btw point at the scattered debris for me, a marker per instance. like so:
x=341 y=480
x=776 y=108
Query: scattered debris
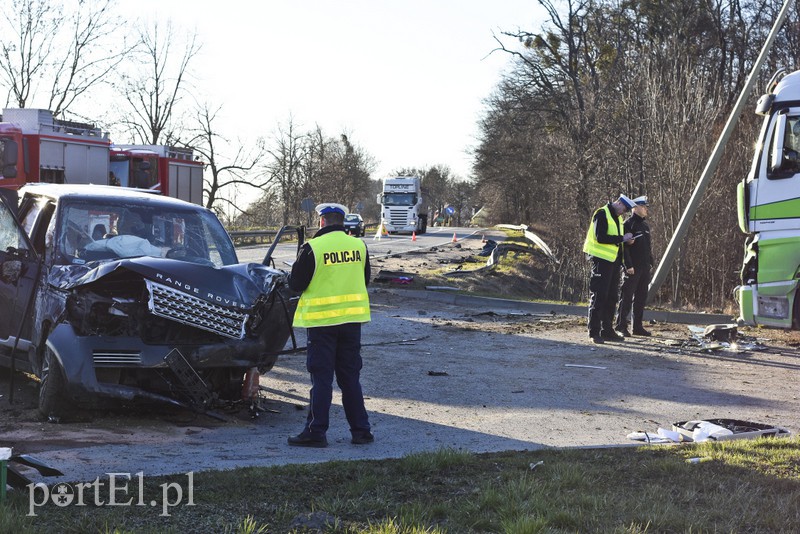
x=409 y=341
x=721 y=332
x=437 y=373
x=488 y=247
x=725 y=429
x=533 y=466
x=648 y=437
x=390 y=276
x=17 y=479
x=441 y=288
x=713 y=338
x=697 y=460
x=709 y=430
x=533 y=238
x=583 y=366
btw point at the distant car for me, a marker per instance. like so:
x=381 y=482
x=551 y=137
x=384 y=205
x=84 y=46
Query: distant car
x=354 y=224
x=111 y=292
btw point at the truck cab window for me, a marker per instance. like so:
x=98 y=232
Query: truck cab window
x=789 y=158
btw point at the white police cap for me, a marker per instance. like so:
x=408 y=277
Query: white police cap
x=628 y=203
x=330 y=207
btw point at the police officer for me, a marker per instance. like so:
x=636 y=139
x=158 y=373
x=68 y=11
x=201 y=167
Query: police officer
x=332 y=271
x=638 y=261
x=603 y=245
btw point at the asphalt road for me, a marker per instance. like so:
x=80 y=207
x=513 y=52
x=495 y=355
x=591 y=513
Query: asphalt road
x=382 y=246
x=443 y=371
x=446 y=376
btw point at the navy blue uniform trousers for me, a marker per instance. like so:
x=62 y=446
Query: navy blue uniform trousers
x=335 y=350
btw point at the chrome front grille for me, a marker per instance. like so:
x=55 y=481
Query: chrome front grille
x=399 y=217
x=107 y=358
x=186 y=309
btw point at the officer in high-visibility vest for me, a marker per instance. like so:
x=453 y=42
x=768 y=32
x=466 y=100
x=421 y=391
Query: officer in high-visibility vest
x=604 y=246
x=332 y=271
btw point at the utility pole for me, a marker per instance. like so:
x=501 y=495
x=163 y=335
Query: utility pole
x=713 y=161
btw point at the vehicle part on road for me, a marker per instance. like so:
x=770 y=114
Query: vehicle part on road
x=726 y=429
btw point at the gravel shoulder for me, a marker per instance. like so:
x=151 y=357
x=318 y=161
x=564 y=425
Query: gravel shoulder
x=440 y=376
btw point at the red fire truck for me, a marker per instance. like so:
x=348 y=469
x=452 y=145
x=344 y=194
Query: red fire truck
x=171 y=170
x=35 y=147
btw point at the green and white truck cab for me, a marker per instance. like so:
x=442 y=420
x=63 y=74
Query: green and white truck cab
x=769 y=211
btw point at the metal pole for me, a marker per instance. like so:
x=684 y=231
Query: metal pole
x=713 y=161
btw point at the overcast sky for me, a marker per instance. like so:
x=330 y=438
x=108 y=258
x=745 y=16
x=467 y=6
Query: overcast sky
x=405 y=79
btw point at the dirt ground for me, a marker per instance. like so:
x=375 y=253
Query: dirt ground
x=435 y=376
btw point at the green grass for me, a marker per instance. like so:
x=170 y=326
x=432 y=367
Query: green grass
x=745 y=486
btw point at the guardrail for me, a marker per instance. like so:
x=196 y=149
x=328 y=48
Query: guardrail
x=260 y=237
x=255 y=237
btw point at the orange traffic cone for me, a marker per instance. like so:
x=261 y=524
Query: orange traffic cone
x=455 y=239
x=413 y=236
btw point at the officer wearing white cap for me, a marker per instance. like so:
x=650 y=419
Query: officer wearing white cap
x=603 y=245
x=332 y=271
x=638 y=261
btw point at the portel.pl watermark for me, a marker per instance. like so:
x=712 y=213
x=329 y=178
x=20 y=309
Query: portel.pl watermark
x=121 y=489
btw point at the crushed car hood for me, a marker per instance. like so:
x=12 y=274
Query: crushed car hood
x=236 y=286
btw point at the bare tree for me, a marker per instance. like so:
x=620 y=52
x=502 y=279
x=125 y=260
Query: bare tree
x=287 y=154
x=154 y=92
x=68 y=50
x=224 y=173
x=93 y=52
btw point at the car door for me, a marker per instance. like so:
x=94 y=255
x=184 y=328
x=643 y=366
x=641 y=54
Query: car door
x=19 y=272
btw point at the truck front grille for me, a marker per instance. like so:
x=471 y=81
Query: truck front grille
x=184 y=308
x=399 y=217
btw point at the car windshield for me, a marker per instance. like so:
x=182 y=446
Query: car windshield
x=125 y=229
x=352 y=218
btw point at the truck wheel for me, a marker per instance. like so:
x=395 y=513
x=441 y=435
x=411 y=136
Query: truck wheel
x=52 y=399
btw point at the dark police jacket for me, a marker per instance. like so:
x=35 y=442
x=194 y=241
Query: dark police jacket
x=638 y=255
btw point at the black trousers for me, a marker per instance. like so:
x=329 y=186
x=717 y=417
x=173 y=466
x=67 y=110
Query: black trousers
x=335 y=351
x=634 y=293
x=603 y=294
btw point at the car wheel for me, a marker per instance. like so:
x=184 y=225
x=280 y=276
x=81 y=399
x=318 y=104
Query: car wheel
x=52 y=398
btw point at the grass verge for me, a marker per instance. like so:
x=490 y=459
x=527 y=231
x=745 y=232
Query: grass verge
x=749 y=486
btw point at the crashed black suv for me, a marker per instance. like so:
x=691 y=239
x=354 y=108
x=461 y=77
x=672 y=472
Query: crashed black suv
x=108 y=292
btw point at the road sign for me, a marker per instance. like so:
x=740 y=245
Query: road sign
x=307 y=205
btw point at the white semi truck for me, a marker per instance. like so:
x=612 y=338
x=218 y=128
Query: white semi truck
x=401 y=205
x=769 y=211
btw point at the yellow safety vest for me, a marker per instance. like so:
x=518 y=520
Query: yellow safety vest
x=337 y=293
x=602 y=250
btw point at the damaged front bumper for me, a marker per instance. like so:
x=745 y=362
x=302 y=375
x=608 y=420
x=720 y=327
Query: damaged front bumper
x=767 y=304
x=128 y=369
